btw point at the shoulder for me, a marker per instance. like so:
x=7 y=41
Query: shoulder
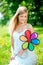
x=30 y=27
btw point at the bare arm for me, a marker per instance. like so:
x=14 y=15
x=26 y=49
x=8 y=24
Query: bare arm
x=12 y=48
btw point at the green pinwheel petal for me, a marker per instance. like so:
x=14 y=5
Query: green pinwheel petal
x=31 y=47
x=25 y=45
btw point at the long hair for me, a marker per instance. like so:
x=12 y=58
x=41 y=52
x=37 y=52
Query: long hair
x=14 y=20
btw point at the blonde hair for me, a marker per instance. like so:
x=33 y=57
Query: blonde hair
x=14 y=21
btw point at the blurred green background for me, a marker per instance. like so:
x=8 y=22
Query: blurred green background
x=35 y=17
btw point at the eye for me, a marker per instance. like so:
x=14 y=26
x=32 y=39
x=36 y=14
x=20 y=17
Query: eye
x=21 y=16
x=25 y=16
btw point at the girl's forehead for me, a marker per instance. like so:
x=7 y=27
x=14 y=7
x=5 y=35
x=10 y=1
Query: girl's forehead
x=24 y=13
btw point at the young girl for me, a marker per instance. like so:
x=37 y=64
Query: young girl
x=17 y=27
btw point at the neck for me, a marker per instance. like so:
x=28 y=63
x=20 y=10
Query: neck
x=22 y=23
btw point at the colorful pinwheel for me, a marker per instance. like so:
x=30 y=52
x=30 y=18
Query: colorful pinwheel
x=30 y=40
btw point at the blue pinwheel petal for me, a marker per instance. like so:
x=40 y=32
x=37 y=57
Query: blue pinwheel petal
x=35 y=41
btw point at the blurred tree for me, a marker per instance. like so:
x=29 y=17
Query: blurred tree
x=35 y=9
x=8 y=8
x=39 y=11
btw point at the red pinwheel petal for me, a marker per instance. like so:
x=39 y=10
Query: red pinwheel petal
x=28 y=35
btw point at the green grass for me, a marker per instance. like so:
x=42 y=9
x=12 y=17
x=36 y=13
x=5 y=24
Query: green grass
x=39 y=48
x=5 y=44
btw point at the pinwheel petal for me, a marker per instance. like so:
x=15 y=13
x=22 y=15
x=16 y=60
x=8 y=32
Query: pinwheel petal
x=25 y=45
x=23 y=38
x=31 y=47
x=34 y=35
x=28 y=34
x=35 y=41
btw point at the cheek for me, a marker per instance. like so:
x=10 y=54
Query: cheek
x=26 y=18
x=20 y=18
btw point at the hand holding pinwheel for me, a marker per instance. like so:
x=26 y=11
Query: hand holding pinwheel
x=29 y=40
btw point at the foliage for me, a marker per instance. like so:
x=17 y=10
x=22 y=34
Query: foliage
x=35 y=8
x=4 y=45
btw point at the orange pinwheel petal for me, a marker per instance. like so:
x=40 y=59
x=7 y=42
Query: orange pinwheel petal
x=23 y=38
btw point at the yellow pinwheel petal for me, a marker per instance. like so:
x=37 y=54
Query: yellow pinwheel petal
x=25 y=45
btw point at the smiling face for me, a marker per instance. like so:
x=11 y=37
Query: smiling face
x=22 y=17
